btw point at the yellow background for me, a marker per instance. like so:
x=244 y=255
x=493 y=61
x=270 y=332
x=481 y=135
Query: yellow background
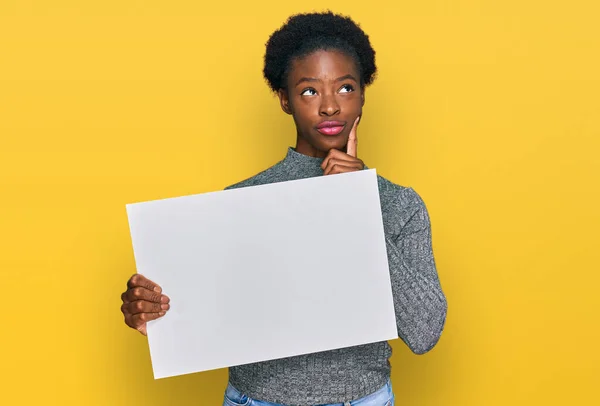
x=489 y=109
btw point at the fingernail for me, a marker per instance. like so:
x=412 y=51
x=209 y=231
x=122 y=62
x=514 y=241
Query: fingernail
x=164 y=306
x=161 y=313
x=157 y=289
x=164 y=299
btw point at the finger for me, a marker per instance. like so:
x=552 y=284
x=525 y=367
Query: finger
x=138 y=321
x=142 y=318
x=142 y=306
x=136 y=324
x=336 y=154
x=330 y=154
x=129 y=321
x=144 y=294
x=341 y=168
x=355 y=165
x=352 y=147
x=140 y=280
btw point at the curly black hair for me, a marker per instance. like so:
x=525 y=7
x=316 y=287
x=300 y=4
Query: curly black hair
x=303 y=34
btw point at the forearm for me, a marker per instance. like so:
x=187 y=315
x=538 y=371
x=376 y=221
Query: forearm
x=419 y=302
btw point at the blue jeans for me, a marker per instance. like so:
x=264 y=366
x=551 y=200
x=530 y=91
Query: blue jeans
x=382 y=397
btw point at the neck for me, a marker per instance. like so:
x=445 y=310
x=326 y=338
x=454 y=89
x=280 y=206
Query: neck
x=304 y=148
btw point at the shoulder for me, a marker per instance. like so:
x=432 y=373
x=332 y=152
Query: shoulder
x=399 y=195
x=400 y=205
x=269 y=175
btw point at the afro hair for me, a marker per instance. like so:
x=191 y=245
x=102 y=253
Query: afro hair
x=302 y=34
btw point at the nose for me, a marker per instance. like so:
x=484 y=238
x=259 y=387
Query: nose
x=329 y=105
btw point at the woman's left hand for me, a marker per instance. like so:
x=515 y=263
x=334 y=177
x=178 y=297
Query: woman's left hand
x=339 y=162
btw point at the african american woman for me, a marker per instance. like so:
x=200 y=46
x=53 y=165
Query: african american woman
x=319 y=64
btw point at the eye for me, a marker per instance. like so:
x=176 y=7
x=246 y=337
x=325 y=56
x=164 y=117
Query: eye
x=308 y=92
x=346 y=89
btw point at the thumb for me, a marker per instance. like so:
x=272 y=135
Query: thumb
x=351 y=148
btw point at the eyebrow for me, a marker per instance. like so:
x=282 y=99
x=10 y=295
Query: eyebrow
x=305 y=79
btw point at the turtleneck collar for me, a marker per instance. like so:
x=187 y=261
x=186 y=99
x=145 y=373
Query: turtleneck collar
x=296 y=157
x=300 y=166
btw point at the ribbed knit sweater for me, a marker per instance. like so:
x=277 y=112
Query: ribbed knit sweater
x=347 y=374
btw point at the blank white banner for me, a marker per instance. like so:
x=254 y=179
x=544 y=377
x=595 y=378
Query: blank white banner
x=265 y=272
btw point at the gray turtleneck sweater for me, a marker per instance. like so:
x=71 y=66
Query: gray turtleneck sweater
x=347 y=374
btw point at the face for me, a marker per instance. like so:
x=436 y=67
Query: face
x=324 y=96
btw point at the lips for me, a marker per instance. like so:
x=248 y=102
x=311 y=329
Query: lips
x=331 y=127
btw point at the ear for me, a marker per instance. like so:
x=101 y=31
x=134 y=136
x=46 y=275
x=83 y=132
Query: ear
x=284 y=101
x=362 y=97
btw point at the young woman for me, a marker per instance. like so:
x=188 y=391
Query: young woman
x=319 y=65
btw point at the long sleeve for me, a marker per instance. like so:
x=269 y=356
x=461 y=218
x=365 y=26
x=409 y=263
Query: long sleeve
x=419 y=301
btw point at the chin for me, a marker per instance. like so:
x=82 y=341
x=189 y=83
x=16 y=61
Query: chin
x=325 y=143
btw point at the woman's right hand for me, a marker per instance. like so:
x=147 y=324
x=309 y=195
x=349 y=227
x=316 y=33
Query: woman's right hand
x=143 y=301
